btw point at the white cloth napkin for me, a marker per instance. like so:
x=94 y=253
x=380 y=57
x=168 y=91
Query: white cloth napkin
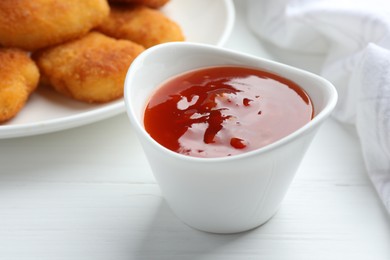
x=355 y=35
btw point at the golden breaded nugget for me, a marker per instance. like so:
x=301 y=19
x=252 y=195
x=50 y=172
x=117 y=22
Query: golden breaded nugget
x=19 y=77
x=149 y=3
x=142 y=25
x=90 y=69
x=32 y=25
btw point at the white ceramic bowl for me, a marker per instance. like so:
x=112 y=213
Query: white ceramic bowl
x=226 y=194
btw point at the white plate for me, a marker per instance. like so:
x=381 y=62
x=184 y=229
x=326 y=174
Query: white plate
x=203 y=21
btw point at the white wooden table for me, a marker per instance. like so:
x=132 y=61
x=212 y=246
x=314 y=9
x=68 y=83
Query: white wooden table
x=88 y=193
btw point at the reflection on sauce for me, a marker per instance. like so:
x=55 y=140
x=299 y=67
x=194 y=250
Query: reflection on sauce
x=224 y=111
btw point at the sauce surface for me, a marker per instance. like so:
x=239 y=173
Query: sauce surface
x=224 y=111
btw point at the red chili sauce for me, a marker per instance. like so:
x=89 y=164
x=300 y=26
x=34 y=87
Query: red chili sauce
x=224 y=111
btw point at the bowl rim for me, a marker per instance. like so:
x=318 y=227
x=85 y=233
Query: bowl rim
x=330 y=90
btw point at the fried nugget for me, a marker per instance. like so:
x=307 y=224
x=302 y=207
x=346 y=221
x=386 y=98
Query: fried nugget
x=150 y=3
x=142 y=25
x=90 y=69
x=32 y=25
x=19 y=78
